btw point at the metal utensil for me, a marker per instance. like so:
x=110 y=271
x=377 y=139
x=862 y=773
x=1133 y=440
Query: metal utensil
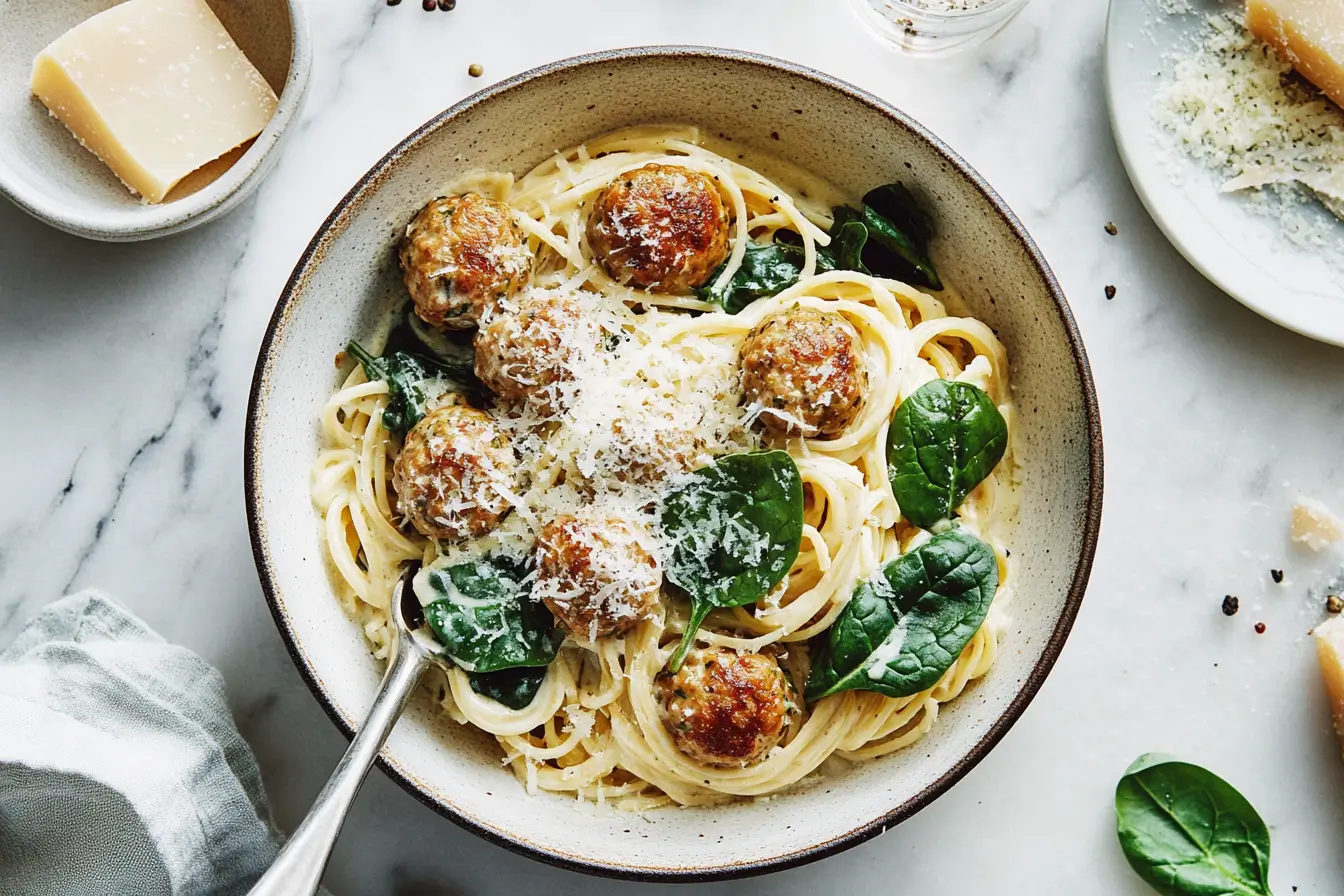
x=298 y=869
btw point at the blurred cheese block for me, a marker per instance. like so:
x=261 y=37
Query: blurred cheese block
x=154 y=88
x=1330 y=651
x=1309 y=34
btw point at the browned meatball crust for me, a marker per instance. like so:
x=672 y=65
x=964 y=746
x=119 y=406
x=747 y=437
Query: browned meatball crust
x=460 y=256
x=596 y=574
x=529 y=354
x=805 y=369
x=661 y=227
x=452 y=472
x=726 y=709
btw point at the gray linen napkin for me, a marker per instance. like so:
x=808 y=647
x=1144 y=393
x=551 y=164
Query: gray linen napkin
x=121 y=770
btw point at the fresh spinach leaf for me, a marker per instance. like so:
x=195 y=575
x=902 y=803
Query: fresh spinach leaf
x=414 y=384
x=515 y=688
x=735 y=527
x=898 y=224
x=848 y=238
x=904 y=628
x=1187 y=832
x=486 y=618
x=943 y=441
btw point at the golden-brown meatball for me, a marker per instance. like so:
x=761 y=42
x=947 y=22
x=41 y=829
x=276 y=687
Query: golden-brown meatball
x=724 y=708
x=597 y=574
x=662 y=449
x=452 y=474
x=803 y=367
x=661 y=227
x=460 y=256
x=531 y=353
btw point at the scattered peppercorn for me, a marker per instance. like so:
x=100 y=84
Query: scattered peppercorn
x=1334 y=604
x=1259 y=628
x=393 y=2
x=429 y=5
x=1110 y=292
x=1231 y=605
x=1111 y=228
x=1277 y=576
x=447 y=5
x=475 y=70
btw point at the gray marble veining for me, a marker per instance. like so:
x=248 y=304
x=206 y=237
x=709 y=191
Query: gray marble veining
x=126 y=369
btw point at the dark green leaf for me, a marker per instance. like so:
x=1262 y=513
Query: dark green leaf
x=486 y=618
x=944 y=440
x=1187 y=832
x=515 y=688
x=848 y=239
x=765 y=271
x=898 y=206
x=904 y=628
x=736 y=526
x=414 y=385
x=890 y=237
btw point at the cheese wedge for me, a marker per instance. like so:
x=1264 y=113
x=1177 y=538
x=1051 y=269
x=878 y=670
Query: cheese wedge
x=154 y=88
x=1309 y=34
x=1330 y=651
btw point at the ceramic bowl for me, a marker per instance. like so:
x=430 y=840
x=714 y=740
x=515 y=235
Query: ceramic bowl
x=347 y=276
x=45 y=171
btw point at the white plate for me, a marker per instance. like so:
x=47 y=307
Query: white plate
x=1239 y=250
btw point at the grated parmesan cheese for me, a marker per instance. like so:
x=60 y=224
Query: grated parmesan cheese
x=1239 y=109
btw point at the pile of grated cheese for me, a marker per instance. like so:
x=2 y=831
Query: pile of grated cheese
x=1235 y=106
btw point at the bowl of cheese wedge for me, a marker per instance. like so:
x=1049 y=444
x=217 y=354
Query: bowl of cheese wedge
x=131 y=120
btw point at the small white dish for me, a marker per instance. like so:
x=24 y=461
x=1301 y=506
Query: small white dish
x=45 y=171
x=1240 y=251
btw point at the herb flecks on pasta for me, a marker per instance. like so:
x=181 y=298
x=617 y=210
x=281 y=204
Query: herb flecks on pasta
x=705 y=490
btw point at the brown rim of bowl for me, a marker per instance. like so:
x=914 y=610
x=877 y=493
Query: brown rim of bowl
x=863 y=832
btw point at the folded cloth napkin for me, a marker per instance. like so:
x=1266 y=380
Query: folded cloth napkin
x=121 y=770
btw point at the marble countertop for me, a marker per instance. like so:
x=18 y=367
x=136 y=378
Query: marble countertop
x=127 y=369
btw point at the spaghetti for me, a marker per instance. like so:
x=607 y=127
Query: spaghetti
x=670 y=378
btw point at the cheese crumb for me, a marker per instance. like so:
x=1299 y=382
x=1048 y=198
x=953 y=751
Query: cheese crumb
x=1330 y=652
x=1315 y=525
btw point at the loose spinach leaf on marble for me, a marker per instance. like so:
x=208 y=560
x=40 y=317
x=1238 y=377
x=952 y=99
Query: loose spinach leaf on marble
x=486 y=618
x=943 y=441
x=414 y=384
x=1187 y=832
x=515 y=688
x=735 y=527
x=904 y=627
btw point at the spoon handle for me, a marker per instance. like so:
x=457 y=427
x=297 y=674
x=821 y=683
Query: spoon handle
x=297 y=871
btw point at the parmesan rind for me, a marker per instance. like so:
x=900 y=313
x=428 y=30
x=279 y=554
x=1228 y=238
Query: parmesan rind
x=1330 y=651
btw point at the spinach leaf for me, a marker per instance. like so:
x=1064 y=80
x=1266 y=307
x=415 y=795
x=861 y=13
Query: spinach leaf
x=1187 y=832
x=944 y=440
x=766 y=270
x=735 y=527
x=848 y=238
x=898 y=224
x=902 y=629
x=414 y=384
x=515 y=688
x=486 y=618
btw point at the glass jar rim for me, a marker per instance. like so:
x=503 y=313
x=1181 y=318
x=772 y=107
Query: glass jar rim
x=949 y=14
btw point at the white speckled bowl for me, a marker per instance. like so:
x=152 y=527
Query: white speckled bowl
x=45 y=171
x=855 y=140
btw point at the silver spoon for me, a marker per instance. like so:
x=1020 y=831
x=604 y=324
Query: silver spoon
x=297 y=871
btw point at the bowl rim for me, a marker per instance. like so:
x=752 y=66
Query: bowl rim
x=223 y=194
x=863 y=832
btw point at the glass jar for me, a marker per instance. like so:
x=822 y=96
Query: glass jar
x=929 y=27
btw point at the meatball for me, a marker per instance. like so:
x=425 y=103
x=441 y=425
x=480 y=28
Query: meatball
x=597 y=574
x=661 y=227
x=529 y=354
x=460 y=256
x=665 y=449
x=805 y=370
x=724 y=708
x=452 y=474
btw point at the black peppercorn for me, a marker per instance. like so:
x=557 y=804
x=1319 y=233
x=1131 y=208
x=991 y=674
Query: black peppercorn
x=1111 y=228
x=1231 y=605
x=447 y=5
x=1110 y=292
x=1277 y=576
